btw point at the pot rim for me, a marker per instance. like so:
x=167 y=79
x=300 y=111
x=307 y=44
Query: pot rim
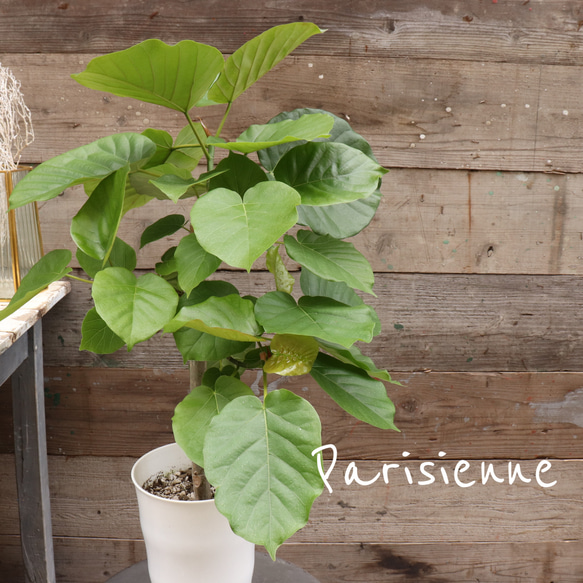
x=146 y=493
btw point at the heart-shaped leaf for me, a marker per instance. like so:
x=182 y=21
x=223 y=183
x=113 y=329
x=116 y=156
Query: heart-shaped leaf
x=174 y=76
x=95 y=160
x=134 y=308
x=331 y=259
x=193 y=263
x=291 y=355
x=240 y=230
x=230 y=317
x=94 y=227
x=326 y=173
x=52 y=267
x=195 y=412
x=258 y=56
x=323 y=318
x=97 y=337
x=163 y=141
x=355 y=391
x=266 y=478
x=258 y=137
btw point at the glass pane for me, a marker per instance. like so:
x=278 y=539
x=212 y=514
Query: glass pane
x=28 y=230
x=6 y=271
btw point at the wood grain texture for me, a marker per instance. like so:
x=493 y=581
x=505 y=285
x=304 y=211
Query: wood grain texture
x=105 y=506
x=344 y=563
x=513 y=30
x=121 y=412
x=435 y=114
x=429 y=221
x=445 y=323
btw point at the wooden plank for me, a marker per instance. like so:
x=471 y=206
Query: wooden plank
x=513 y=30
x=30 y=447
x=443 y=322
x=470 y=115
x=429 y=221
x=96 y=560
x=93 y=497
x=113 y=412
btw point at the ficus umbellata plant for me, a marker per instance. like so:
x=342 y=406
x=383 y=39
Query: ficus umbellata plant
x=294 y=188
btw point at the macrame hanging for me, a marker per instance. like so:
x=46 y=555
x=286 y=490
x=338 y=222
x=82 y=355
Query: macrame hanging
x=15 y=121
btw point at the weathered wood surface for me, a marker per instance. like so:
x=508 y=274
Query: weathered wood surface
x=440 y=322
x=421 y=114
x=105 y=507
x=345 y=563
x=429 y=221
x=121 y=412
x=514 y=30
x=18 y=323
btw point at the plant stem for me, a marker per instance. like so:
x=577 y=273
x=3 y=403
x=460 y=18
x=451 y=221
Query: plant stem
x=198 y=137
x=201 y=486
x=79 y=278
x=264 y=385
x=224 y=119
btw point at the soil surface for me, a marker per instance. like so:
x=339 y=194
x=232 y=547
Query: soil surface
x=174 y=485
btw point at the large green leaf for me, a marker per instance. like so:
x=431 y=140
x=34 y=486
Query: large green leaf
x=312 y=285
x=340 y=220
x=258 y=137
x=354 y=356
x=163 y=227
x=240 y=230
x=193 y=263
x=341 y=132
x=355 y=391
x=230 y=317
x=331 y=259
x=196 y=345
x=266 y=478
x=291 y=355
x=97 y=336
x=258 y=56
x=173 y=76
x=94 y=227
x=195 y=412
x=95 y=160
x=122 y=255
x=323 y=318
x=326 y=173
x=134 y=308
x=240 y=174
x=51 y=267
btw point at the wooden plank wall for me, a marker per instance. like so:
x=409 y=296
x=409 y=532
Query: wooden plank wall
x=478 y=249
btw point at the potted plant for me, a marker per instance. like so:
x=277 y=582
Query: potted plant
x=292 y=189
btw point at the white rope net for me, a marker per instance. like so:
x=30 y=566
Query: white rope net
x=15 y=121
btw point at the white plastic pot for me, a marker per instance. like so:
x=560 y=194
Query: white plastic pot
x=187 y=540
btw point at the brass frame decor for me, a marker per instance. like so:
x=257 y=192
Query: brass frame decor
x=20 y=236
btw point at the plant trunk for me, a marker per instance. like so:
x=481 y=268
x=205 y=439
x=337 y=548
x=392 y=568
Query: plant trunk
x=202 y=488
